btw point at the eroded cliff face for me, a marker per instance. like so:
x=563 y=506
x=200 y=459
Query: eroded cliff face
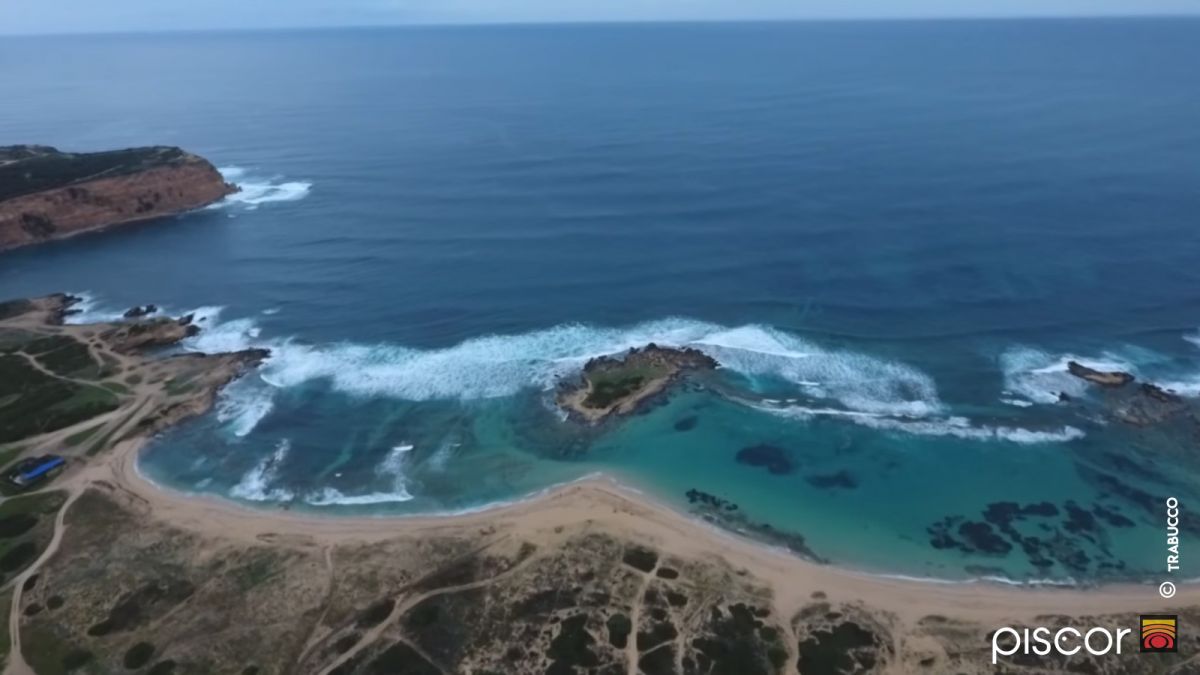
x=46 y=194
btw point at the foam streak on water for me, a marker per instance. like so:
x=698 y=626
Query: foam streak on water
x=255 y=190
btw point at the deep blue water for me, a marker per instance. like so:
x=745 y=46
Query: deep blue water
x=893 y=235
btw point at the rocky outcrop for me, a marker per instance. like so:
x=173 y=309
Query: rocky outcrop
x=1140 y=406
x=618 y=385
x=46 y=194
x=1100 y=377
x=134 y=336
x=140 y=311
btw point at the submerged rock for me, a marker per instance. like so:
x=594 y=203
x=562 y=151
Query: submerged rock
x=773 y=458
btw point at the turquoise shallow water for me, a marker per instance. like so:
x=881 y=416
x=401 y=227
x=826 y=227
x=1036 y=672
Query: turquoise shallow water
x=893 y=236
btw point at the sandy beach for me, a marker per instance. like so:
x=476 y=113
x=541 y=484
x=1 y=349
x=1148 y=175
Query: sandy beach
x=601 y=503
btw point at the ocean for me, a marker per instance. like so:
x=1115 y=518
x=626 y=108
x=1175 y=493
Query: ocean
x=892 y=235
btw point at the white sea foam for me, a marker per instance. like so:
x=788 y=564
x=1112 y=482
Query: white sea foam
x=89 y=310
x=257 y=190
x=495 y=366
x=390 y=469
x=438 y=460
x=1016 y=402
x=1189 y=388
x=243 y=404
x=958 y=427
x=256 y=486
x=1040 y=376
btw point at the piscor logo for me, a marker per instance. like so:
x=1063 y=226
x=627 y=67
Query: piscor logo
x=1159 y=633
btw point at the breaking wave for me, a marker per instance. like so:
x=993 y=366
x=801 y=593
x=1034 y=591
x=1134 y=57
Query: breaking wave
x=89 y=310
x=957 y=427
x=255 y=486
x=501 y=365
x=259 y=483
x=257 y=190
x=243 y=404
x=390 y=469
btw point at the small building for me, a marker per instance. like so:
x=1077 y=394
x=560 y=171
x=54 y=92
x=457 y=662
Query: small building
x=30 y=472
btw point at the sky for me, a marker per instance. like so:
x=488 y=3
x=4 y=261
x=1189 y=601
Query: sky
x=75 y=16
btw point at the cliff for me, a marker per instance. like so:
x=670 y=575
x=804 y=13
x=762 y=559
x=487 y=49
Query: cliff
x=46 y=194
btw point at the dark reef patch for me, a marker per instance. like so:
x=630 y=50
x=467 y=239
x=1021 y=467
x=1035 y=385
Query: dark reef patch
x=700 y=498
x=687 y=423
x=1070 y=535
x=841 y=479
x=727 y=514
x=771 y=457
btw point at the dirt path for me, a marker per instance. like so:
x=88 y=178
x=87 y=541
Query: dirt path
x=16 y=660
x=402 y=608
x=635 y=616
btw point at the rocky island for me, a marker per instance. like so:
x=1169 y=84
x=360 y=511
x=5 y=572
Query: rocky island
x=47 y=194
x=617 y=385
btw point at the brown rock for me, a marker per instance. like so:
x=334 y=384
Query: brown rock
x=1102 y=378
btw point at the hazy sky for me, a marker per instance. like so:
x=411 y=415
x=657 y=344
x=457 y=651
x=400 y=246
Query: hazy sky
x=55 y=16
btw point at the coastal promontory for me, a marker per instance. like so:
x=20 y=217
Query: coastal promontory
x=47 y=194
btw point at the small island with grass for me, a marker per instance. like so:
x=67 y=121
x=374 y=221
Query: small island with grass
x=614 y=386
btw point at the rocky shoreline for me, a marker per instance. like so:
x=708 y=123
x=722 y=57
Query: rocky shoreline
x=102 y=376
x=47 y=194
x=1141 y=406
x=618 y=385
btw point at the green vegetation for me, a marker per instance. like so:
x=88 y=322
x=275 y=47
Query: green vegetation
x=179 y=385
x=116 y=388
x=63 y=355
x=260 y=569
x=10 y=453
x=44 y=403
x=5 y=646
x=46 y=169
x=81 y=436
x=610 y=386
x=14 y=308
x=26 y=525
x=138 y=655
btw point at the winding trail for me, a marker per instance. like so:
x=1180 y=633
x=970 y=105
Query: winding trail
x=16 y=660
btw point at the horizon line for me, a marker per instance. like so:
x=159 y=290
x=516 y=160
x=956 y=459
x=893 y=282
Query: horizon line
x=549 y=23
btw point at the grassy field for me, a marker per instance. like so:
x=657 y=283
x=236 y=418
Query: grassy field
x=26 y=525
x=611 y=386
x=33 y=402
x=46 y=171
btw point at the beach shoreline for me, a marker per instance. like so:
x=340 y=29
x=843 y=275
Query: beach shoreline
x=601 y=502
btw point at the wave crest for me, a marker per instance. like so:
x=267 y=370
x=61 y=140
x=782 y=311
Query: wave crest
x=501 y=365
x=255 y=190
